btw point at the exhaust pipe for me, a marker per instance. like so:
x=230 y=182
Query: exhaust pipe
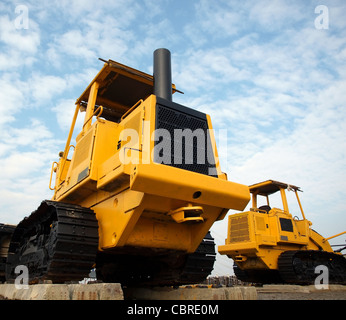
x=162 y=74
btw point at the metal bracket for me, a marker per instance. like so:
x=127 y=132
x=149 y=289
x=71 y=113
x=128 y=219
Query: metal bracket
x=187 y=214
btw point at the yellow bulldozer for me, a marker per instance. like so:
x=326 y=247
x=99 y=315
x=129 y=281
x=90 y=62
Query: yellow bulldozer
x=270 y=245
x=137 y=193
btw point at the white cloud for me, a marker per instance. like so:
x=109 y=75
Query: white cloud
x=64 y=113
x=73 y=43
x=12 y=59
x=276 y=14
x=26 y=155
x=30 y=135
x=311 y=156
x=206 y=70
x=337 y=15
x=12 y=98
x=19 y=47
x=123 y=10
x=218 y=18
x=100 y=42
x=45 y=87
x=24 y=40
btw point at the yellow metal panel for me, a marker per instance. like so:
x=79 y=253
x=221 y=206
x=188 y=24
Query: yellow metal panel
x=117 y=217
x=238 y=248
x=105 y=144
x=170 y=182
x=260 y=223
x=266 y=240
x=302 y=227
x=158 y=234
x=79 y=168
x=318 y=241
x=82 y=155
x=114 y=179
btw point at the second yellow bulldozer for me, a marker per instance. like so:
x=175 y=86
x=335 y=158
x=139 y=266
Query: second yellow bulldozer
x=271 y=245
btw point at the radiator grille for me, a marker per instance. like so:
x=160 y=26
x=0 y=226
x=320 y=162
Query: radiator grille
x=184 y=143
x=83 y=149
x=239 y=229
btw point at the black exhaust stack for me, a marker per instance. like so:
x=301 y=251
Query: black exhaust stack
x=162 y=74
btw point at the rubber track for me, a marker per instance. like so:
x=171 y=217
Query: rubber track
x=199 y=264
x=257 y=275
x=6 y=232
x=172 y=269
x=59 y=242
x=298 y=267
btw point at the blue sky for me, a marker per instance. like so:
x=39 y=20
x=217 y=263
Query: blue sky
x=261 y=69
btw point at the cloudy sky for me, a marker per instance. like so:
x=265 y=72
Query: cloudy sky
x=272 y=75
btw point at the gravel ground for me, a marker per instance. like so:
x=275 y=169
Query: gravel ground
x=296 y=292
x=323 y=295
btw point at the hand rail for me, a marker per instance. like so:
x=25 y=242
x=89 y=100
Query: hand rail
x=65 y=159
x=131 y=109
x=51 y=174
x=95 y=112
x=337 y=235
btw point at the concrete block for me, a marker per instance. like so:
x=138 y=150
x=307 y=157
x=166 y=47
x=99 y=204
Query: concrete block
x=97 y=291
x=168 y=293
x=202 y=294
x=49 y=292
x=233 y=293
x=282 y=288
x=111 y=291
x=84 y=292
x=249 y=293
x=21 y=293
x=331 y=287
x=10 y=291
x=102 y=291
x=7 y=291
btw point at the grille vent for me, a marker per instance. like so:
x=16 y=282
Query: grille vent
x=186 y=143
x=239 y=229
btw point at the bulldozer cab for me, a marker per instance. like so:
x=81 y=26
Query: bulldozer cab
x=269 y=188
x=119 y=88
